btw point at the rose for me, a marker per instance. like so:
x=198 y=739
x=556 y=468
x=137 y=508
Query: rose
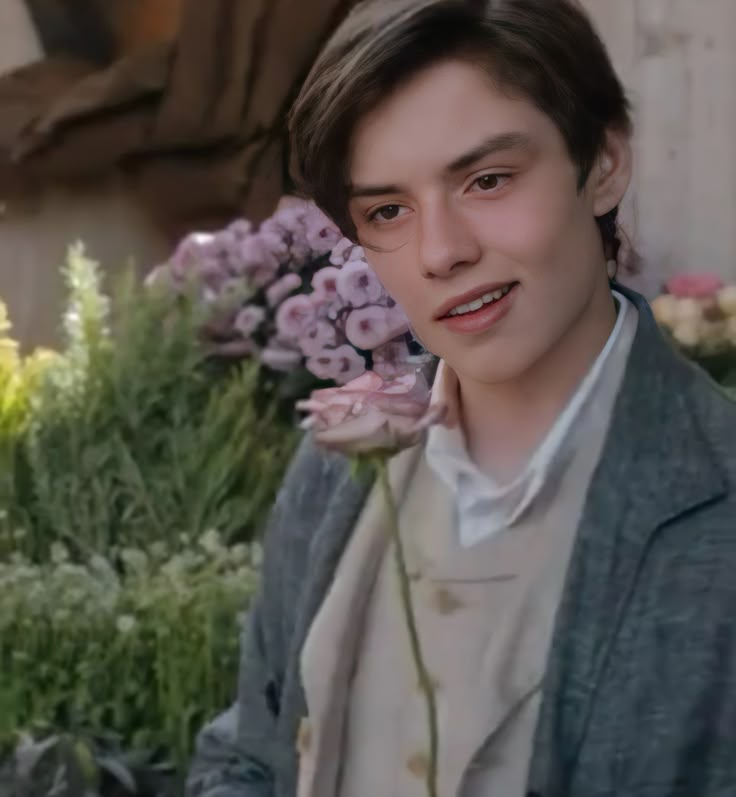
x=373 y=418
x=694 y=286
x=372 y=415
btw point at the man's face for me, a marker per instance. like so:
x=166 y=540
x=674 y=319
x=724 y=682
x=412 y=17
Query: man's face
x=462 y=195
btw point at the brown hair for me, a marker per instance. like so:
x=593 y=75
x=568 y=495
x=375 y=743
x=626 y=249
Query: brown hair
x=544 y=50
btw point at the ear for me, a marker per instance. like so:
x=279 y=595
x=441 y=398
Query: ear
x=611 y=174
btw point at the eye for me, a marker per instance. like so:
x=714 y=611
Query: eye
x=386 y=213
x=488 y=183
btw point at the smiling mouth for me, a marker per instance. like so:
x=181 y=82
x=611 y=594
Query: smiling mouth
x=486 y=299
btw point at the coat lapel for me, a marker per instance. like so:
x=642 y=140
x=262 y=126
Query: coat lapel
x=328 y=544
x=331 y=645
x=656 y=465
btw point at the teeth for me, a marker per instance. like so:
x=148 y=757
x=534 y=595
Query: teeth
x=487 y=298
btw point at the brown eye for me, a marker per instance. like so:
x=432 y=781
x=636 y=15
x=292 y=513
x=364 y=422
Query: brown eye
x=388 y=212
x=488 y=182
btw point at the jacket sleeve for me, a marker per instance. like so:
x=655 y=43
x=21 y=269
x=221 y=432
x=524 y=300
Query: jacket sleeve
x=237 y=754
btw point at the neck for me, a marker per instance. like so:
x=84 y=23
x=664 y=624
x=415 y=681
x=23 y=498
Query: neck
x=504 y=423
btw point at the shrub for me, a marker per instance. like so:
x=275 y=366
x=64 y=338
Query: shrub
x=148 y=652
x=135 y=433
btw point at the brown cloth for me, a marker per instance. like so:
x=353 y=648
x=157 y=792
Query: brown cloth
x=197 y=125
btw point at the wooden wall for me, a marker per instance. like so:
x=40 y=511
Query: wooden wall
x=19 y=40
x=34 y=237
x=678 y=60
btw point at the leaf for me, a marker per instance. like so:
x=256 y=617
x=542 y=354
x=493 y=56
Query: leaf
x=29 y=752
x=119 y=771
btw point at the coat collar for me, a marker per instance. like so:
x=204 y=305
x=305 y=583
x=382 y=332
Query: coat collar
x=657 y=465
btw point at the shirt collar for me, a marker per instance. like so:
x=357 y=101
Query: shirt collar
x=448 y=456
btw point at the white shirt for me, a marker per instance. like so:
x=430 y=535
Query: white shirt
x=484 y=507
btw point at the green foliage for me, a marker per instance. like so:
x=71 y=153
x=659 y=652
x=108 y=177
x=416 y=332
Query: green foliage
x=135 y=472
x=19 y=378
x=136 y=433
x=147 y=650
x=71 y=766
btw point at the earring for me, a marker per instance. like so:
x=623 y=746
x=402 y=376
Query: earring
x=611 y=268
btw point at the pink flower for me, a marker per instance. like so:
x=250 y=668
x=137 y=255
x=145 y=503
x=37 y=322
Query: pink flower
x=257 y=260
x=194 y=248
x=358 y=285
x=289 y=225
x=317 y=337
x=372 y=326
x=287 y=220
x=274 y=244
x=392 y=359
x=295 y=316
x=694 y=286
x=280 y=359
x=321 y=233
x=344 y=251
x=341 y=364
x=249 y=319
x=240 y=228
x=370 y=415
x=324 y=282
x=276 y=293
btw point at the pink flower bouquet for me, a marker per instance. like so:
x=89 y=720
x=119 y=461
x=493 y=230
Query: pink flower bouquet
x=294 y=294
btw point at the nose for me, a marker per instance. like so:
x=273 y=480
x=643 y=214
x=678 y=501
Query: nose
x=447 y=242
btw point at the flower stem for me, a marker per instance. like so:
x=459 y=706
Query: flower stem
x=425 y=681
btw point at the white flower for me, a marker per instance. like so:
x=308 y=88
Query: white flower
x=59 y=553
x=135 y=560
x=239 y=553
x=125 y=623
x=256 y=554
x=211 y=541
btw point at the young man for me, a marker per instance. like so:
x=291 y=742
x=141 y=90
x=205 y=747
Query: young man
x=573 y=540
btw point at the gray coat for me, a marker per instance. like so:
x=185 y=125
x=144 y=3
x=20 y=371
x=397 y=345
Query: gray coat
x=640 y=692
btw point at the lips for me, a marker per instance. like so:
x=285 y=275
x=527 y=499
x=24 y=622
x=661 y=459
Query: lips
x=468 y=298
x=479 y=317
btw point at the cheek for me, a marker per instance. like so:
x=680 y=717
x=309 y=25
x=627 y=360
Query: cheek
x=530 y=228
x=397 y=273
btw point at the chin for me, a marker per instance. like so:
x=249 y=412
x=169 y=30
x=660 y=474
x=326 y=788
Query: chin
x=490 y=366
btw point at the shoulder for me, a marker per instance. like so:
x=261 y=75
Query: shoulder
x=715 y=411
x=311 y=480
x=698 y=550
x=317 y=486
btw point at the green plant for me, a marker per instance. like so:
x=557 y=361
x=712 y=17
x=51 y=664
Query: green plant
x=136 y=433
x=147 y=651
x=68 y=766
x=19 y=377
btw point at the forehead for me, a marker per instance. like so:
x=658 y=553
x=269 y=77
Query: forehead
x=443 y=111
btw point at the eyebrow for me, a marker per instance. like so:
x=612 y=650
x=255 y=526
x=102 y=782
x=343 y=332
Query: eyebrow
x=505 y=142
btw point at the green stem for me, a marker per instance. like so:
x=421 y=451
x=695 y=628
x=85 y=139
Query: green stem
x=425 y=681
